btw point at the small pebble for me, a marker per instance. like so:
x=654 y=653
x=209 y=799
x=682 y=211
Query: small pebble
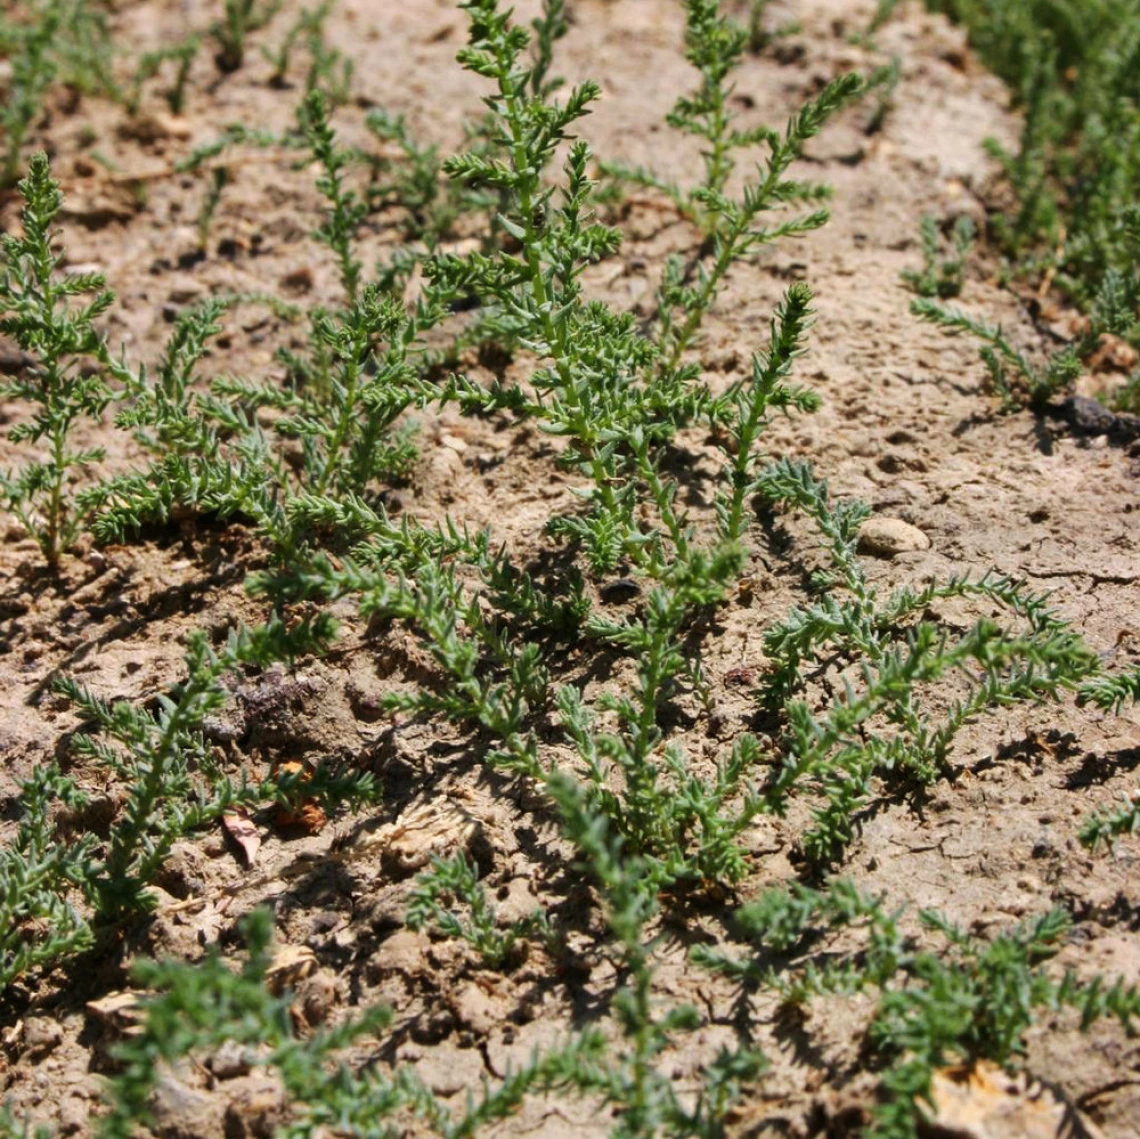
x=886 y=537
x=41 y=1035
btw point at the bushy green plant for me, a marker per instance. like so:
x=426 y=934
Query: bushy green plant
x=1072 y=64
x=59 y=890
x=457 y=879
x=966 y=999
x=49 y=42
x=882 y=725
x=618 y=396
x=196 y=1008
x=40 y=311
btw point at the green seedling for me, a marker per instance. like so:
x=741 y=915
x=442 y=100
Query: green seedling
x=211 y=200
x=330 y=72
x=942 y=276
x=1071 y=66
x=182 y=54
x=64 y=385
x=59 y=892
x=198 y=1008
x=1107 y=826
x=1013 y=376
x=55 y=41
x=457 y=879
x=896 y=658
x=239 y=19
x=967 y=999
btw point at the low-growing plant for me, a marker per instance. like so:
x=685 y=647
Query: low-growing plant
x=1105 y=827
x=49 y=42
x=966 y=1000
x=1072 y=67
x=457 y=879
x=731 y=229
x=1014 y=376
x=196 y=1008
x=59 y=892
x=65 y=384
x=942 y=275
x=182 y=54
x=896 y=657
x=618 y=397
x=578 y=672
x=239 y=19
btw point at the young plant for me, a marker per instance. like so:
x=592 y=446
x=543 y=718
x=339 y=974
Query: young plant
x=969 y=999
x=330 y=72
x=942 y=276
x=1107 y=826
x=458 y=879
x=239 y=18
x=1015 y=378
x=34 y=69
x=56 y=41
x=895 y=658
x=182 y=54
x=732 y=229
x=58 y=892
x=1072 y=66
x=39 y=922
x=40 y=311
x=198 y=1008
x=174 y=784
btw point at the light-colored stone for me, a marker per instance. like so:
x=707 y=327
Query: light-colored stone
x=984 y=1102
x=886 y=537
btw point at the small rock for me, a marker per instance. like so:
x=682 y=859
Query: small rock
x=298 y=280
x=316 y=998
x=183 y=1112
x=256 y=1108
x=154 y=126
x=449 y=1070
x=983 y=1102
x=230 y=1061
x=74 y=1115
x=41 y=1036
x=291 y=964
x=886 y=537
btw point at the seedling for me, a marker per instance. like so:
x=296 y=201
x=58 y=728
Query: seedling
x=1107 y=826
x=240 y=17
x=39 y=310
x=219 y=179
x=942 y=276
x=182 y=54
x=59 y=892
x=966 y=1000
x=57 y=41
x=458 y=879
x=330 y=72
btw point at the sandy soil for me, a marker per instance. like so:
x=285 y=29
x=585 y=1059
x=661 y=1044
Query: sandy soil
x=904 y=426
